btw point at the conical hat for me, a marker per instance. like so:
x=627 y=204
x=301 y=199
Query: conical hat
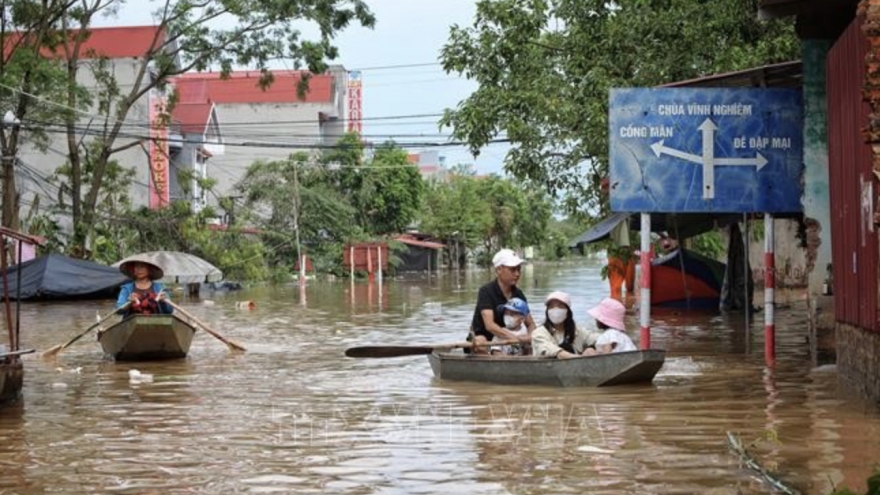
x=127 y=268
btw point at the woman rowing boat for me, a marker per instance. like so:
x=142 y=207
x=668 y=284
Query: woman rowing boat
x=145 y=294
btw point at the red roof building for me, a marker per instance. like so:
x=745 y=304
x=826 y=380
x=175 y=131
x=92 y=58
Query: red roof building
x=110 y=42
x=192 y=118
x=244 y=87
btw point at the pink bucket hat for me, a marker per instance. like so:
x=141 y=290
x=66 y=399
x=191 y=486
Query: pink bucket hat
x=559 y=296
x=610 y=312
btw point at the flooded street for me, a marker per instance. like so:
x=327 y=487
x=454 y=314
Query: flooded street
x=293 y=415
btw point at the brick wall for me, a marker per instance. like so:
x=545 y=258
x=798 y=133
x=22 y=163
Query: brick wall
x=858 y=361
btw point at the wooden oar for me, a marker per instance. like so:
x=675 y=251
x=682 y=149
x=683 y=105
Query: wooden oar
x=53 y=351
x=15 y=353
x=386 y=351
x=233 y=346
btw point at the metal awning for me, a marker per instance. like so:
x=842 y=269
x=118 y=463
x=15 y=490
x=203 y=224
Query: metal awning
x=679 y=225
x=781 y=75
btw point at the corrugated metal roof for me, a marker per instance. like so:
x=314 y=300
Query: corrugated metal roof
x=411 y=241
x=781 y=75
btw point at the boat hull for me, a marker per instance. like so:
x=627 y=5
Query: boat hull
x=686 y=280
x=617 y=368
x=147 y=338
x=11 y=379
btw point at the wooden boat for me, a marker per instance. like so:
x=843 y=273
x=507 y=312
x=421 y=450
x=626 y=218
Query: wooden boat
x=684 y=279
x=147 y=337
x=11 y=378
x=617 y=368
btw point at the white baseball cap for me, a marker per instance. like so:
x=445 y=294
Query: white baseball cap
x=506 y=257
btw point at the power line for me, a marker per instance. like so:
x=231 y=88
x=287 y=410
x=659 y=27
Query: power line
x=399 y=66
x=54 y=128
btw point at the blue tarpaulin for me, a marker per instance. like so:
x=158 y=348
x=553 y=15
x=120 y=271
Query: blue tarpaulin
x=56 y=276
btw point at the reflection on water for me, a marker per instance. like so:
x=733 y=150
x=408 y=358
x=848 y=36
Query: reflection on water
x=294 y=416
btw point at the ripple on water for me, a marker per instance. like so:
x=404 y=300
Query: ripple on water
x=293 y=415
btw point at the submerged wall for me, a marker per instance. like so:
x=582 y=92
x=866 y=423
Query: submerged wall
x=858 y=361
x=816 y=202
x=816 y=199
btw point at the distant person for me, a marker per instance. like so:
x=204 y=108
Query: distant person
x=514 y=315
x=621 y=268
x=609 y=319
x=487 y=323
x=559 y=337
x=145 y=294
x=667 y=244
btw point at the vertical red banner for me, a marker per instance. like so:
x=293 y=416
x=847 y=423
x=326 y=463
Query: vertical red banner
x=159 y=157
x=354 y=102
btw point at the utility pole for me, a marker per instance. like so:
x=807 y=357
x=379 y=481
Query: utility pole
x=8 y=152
x=296 y=207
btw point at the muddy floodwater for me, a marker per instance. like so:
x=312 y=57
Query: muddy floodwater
x=293 y=415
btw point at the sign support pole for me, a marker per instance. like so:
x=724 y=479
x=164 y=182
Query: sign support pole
x=747 y=310
x=769 y=286
x=645 y=261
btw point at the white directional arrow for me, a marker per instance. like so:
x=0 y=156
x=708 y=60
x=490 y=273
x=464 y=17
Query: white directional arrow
x=659 y=149
x=708 y=159
x=758 y=161
x=708 y=127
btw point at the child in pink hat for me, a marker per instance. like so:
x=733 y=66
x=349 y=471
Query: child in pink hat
x=609 y=319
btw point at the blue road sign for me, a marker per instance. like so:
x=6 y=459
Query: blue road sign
x=706 y=150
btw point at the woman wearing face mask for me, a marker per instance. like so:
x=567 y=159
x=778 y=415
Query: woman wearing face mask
x=559 y=337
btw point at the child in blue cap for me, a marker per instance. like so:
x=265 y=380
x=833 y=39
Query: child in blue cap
x=514 y=314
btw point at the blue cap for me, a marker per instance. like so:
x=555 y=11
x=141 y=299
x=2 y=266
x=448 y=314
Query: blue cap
x=517 y=305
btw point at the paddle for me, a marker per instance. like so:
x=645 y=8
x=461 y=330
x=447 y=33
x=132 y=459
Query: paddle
x=53 y=351
x=233 y=346
x=385 y=351
x=15 y=353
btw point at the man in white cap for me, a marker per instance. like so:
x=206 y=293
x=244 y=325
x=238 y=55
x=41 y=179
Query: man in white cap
x=488 y=322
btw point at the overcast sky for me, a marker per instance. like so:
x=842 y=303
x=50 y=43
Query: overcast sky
x=407 y=32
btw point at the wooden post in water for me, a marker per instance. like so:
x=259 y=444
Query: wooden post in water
x=4 y=267
x=351 y=262
x=379 y=270
x=370 y=275
x=645 y=261
x=379 y=267
x=769 y=288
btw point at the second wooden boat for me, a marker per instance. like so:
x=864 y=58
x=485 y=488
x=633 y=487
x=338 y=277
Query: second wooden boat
x=617 y=368
x=11 y=378
x=147 y=337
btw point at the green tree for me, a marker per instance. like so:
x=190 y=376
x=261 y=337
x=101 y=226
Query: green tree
x=254 y=33
x=486 y=212
x=282 y=196
x=519 y=215
x=28 y=28
x=544 y=68
x=456 y=210
x=390 y=191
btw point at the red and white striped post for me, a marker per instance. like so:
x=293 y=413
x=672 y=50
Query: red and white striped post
x=645 y=298
x=769 y=286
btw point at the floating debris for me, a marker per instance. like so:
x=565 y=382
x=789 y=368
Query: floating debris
x=135 y=376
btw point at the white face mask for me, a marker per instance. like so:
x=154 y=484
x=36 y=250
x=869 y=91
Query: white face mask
x=557 y=315
x=512 y=322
